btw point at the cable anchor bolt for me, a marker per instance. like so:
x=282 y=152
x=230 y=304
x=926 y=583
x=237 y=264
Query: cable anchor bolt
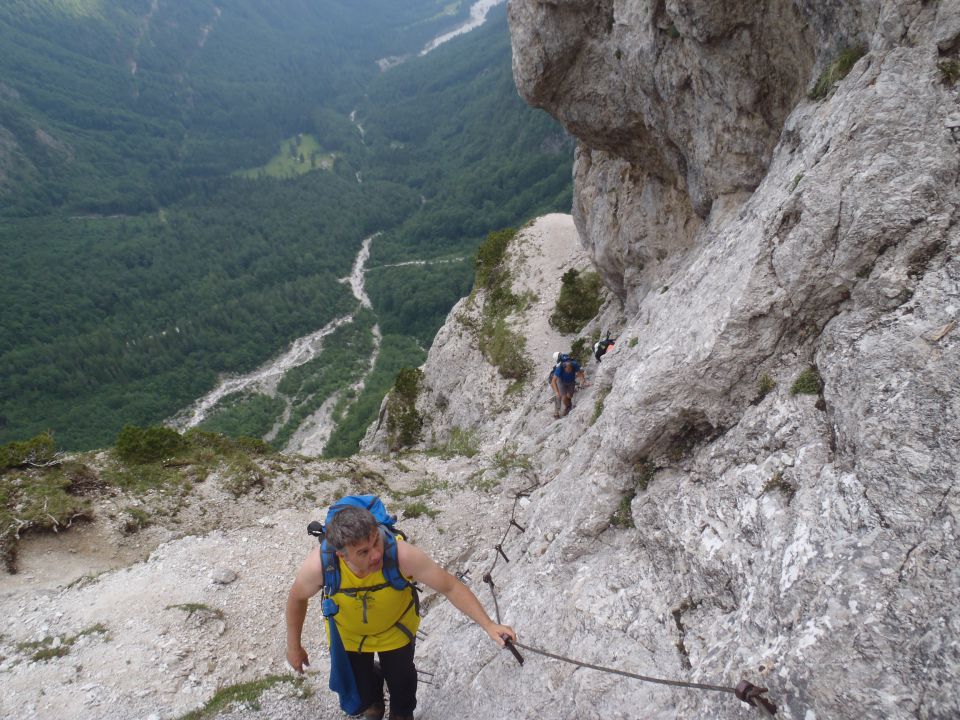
x=508 y=644
x=752 y=695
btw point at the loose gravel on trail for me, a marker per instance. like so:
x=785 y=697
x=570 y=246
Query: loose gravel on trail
x=156 y=638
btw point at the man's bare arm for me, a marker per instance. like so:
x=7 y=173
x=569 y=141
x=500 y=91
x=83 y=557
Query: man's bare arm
x=417 y=564
x=308 y=583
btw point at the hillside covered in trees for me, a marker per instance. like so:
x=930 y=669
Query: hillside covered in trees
x=183 y=184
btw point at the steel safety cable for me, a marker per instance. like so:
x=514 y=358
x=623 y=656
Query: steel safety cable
x=512 y=523
x=624 y=673
x=745 y=691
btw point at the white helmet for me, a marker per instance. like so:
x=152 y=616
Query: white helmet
x=556 y=357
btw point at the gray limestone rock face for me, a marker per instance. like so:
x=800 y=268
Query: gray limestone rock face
x=705 y=521
x=614 y=207
x=694 y=93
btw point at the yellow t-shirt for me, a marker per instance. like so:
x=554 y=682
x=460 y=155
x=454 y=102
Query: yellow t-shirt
x=368 y=620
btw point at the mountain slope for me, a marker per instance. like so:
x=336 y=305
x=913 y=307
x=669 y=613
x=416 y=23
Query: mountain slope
x=147 y=268
x=766 y=488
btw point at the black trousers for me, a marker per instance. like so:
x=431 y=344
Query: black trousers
x=397 y=670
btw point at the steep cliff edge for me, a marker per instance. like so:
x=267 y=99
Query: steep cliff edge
x=461 y=390
x=755 y=237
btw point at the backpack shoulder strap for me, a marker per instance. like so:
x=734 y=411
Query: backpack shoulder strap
x=331 y=569
x=391 y=562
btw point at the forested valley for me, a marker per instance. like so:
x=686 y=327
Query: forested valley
x=183 y=185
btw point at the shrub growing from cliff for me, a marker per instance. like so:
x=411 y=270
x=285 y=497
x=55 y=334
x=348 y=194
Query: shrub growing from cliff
x=807 y=383
x=765 y=385
x=598 y=404
x=150 y=444
x=643 y=472
x=949 y=71
x=38 y=450
x=509 y=459
x=491 y=258
x=836 y=71
x=501 y=346
x=505 y=349
x=462 y=442
x=581 y=349
x=404 y=422
x=579 y=301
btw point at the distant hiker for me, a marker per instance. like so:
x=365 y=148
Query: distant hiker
x=372 y=608
x=601 y=347
x=558 y=359
x=564 y=384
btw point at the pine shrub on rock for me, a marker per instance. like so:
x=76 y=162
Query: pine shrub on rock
x=35 y=451
x=150 y=444
x=579 y=301
x=404 y=422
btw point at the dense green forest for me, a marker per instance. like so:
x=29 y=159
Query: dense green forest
x=145 y=255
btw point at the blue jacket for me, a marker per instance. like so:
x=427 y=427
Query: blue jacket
x=567 y=377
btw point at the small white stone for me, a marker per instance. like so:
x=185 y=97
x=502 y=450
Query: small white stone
x=223 y=576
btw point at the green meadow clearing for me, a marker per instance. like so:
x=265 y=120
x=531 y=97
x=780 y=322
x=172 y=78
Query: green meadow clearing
x=298 y=155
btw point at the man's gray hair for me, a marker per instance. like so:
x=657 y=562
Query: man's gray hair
x=350 y=526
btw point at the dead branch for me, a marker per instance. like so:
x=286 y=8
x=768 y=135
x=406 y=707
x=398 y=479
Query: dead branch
x=176 y=463
x=55 y=461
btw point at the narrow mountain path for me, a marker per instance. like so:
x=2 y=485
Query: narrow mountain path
x=201 y=601
x=422 y=262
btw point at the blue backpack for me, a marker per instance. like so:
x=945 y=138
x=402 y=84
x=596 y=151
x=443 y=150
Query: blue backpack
x=386 y=523
x=559 y=359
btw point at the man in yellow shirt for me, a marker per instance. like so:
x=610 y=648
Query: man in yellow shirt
x=373 y=617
